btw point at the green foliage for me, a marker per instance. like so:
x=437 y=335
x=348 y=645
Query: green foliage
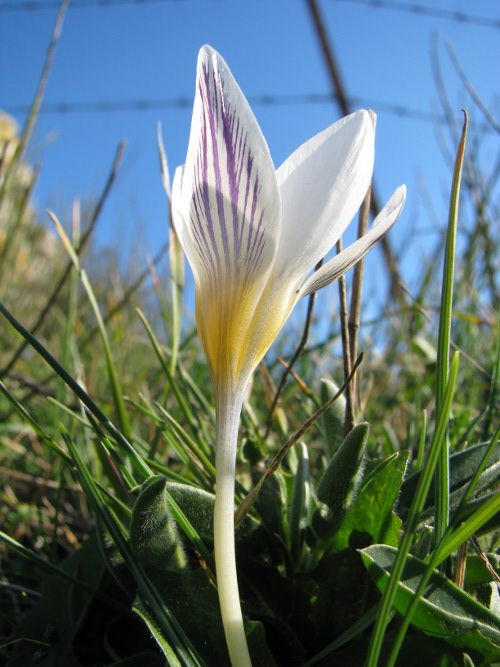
x=154 y=537
x=463 y=466
x=444 y=610
x=372 y=518
x=338 y=485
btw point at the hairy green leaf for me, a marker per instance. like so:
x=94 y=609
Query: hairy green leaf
x=446 y=611
x=154 y=536
x=333 y=418
x=338 y=485
x=371 y=517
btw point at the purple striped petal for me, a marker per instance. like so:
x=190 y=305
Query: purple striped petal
x=231 y=199
x=230 y=205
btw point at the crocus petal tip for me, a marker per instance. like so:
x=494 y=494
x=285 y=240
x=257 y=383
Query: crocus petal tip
x=206 y=51
x=393 y=207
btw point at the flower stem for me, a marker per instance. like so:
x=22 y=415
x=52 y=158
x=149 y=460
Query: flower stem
x=228 y=416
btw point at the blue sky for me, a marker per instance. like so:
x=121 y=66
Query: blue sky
x=128 y=51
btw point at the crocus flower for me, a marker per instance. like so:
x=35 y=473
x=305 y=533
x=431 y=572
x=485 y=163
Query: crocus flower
x=252 y=235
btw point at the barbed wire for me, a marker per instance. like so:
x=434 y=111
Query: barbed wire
x=263 y=100
x=425 y=10
x=33 y=5
x=186 y=103
x=394 y=5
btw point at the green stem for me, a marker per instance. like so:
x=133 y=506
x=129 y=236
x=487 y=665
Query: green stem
x=229 y=406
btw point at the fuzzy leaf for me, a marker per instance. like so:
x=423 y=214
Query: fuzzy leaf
x=339 y=482
x=333 y=418
x=154 y=536
x=371 y=517
x=162 y=550
x=446 y=611
x=198 y=507
x=161 y=542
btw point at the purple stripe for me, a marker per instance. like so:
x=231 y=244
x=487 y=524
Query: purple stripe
x=205 y=194
x=213 y=112
x=225 y=159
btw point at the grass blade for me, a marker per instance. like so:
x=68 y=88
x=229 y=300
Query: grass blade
x=416 y=508
x=76 y=388
x=181 y=400
x=468 y=527
x=25 y=415
x=441 y=518
x=169 y=627
x=116 y=389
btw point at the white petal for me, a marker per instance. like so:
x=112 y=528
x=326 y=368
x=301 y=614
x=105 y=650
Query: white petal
x=182 y=229
x=228 y=209
x=353 y=253
x=230 y=197
x=322 y=185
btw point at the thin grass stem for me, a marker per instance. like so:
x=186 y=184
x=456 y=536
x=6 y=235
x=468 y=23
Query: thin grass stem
x=441 y=518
